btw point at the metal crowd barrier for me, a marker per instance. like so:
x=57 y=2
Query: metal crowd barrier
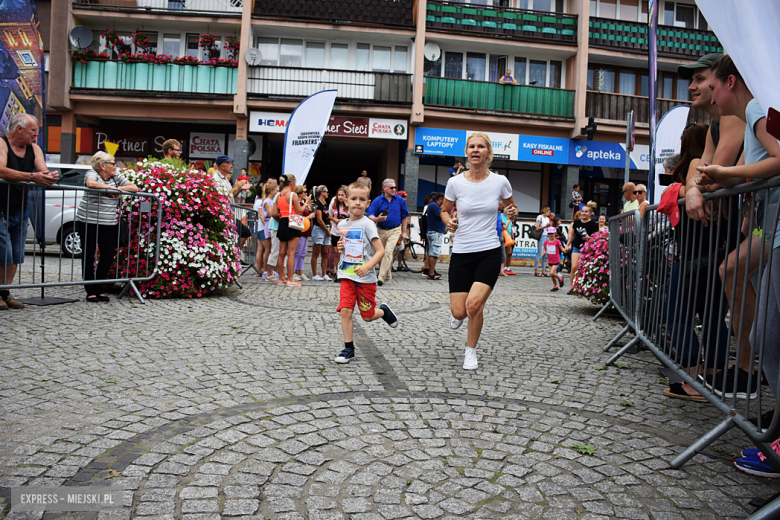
x=623 y=273
x=701 y=307
x=247 y=224
x=51 y=217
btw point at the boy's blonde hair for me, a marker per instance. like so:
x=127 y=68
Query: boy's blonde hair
x=357 y=186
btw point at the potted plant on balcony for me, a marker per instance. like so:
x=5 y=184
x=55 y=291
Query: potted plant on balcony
x=232 y=45
x=141 y=42
x=208 y=43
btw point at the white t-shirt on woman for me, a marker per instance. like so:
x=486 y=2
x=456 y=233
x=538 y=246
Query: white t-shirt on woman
x=477 y=205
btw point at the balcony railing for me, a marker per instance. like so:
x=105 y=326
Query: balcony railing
x=384 y=12
x=354 y=85
x=493 y=97
x=116 y=75
x=619 y=34
x=505 y=21
x=615 y=107
x=223 y=7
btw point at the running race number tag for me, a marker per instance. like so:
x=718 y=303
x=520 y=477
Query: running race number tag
x=353 y=245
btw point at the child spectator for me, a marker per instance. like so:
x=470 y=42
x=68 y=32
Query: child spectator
x=553 y=248
x=360 y=250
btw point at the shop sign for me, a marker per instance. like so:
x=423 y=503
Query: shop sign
x=439 y=141
x=387 y=129
x=349 y=126
x=504 y=145
x=595 y=153
x=128 y=145
x=206 y=146
x=543 y=149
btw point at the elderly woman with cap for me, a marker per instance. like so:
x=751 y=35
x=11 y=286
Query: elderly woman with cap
x=97 y=221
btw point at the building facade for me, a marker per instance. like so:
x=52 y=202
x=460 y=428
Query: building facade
x=414 y=77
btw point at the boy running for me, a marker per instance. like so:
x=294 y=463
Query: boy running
x=553 y=248
x=360 y=250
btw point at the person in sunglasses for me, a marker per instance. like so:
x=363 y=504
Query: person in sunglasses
x=171 y=149
x=628 y=194
x=391 y=216
x=641 y=198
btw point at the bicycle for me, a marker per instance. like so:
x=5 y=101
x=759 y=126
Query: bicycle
x=409 y=246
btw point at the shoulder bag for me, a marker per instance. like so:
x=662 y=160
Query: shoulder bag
x=295 y=220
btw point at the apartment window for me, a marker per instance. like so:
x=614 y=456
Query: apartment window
x=645 y=85
x=541 y=5
x=520 y=70
x=559 y=6
x=363 y=56
x=432 y=68
x=682 y=89
x=668 y=13
x=192 y=46
x=339 y=56
x=608 y=9
x=537 y=73
x=291 y=53
x=643 y=14
x=555 y=74
x=703 y=25
x=400 y=59
x=475 y=66
x=591 y=77
x=315 y=55
x=125 y=47
x=685 y=16
x=497 y=67
x=453 y=65
x=606 y=79
x=269 y=51
x=667 y=89
x=382 y=56
x=629 y=10
x=627 y=83
x=172 y=45
x=151 y=46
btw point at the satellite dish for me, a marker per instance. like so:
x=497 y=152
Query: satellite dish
x=80 y=37
x=432 y=52
x=253 y=57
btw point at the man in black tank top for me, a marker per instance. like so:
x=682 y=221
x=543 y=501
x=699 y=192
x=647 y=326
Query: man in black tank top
x=21 y=160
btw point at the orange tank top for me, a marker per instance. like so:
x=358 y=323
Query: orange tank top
x=284 y=205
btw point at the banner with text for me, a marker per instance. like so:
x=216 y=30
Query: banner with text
x=305 y=131
x=347 y=126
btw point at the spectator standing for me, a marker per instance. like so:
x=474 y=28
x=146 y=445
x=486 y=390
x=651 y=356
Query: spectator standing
x=286 y=203
x=365 y=179
x=554 y=248
x=507 y=78
x=271 y=242
x=641 y=198
x=21 y=160
x=580 y=231
x=303 y=242
x=320 y=234
x=435 y=233
x=457 y=168
x=401 y=247
x=360 y=251
x=628 y=194
x=97 y=221
x=338 y=212
x=260 y=234
x=475 y=258
x=542 y=223
x=389 y=213
x=576 y=200
x=171 y=149
x=602 y=222
x=509 y=243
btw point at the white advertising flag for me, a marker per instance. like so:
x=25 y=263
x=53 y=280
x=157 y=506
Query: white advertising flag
x=304 y=133
x=668 y=135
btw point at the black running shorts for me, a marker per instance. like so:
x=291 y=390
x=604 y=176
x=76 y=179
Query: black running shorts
x=467 y=268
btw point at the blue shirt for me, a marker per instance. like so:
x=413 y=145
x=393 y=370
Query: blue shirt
x=435 y=223
x=453 y=171
x=396 y=211
x=499 y=225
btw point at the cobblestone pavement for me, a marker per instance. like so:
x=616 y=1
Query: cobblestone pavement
x=231 y=406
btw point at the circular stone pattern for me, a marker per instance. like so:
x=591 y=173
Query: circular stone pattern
x=387 y=458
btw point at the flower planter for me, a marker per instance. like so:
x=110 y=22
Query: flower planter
x=93 y=74
x=205 y=79
x=221 y=80
x=110 y=75
x=159 y=77
x=140 y=76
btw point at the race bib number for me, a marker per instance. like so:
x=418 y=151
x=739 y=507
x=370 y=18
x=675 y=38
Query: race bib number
x=353 y=246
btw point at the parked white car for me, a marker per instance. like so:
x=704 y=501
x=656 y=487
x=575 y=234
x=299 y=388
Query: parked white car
x=61 y=209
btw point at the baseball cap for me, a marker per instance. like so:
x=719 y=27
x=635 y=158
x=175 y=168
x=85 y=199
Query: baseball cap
x=551 y=230
x=222 y=159
x=402 y=193
x=668 y=205
x=705 y=62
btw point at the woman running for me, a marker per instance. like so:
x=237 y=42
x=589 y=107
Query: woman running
x=475 y=261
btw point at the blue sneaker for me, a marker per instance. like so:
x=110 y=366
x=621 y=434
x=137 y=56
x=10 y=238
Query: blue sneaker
x=389 y=316
x=756 y=466
x=750 y=452
x=347 y=355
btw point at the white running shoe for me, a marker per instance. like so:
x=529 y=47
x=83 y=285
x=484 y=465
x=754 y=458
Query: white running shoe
x=297 y=278
x=326 y=278
x=470 y=359
x=304 y=277
x=317 y=278
x=455 y=324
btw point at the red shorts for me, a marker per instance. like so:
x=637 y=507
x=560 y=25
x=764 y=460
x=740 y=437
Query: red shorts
x=364 y=294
